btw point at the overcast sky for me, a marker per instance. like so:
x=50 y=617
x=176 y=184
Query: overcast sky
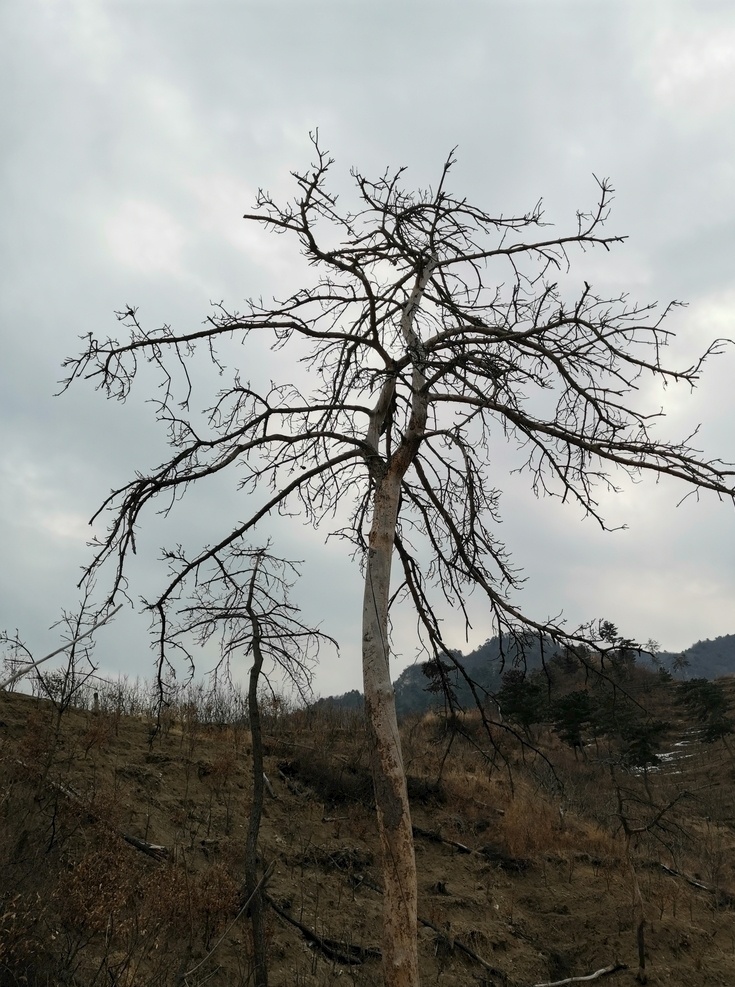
x=136 y=134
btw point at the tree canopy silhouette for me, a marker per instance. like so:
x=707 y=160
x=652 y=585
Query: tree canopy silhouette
x=431 y=328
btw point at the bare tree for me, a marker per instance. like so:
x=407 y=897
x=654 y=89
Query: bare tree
x=431 y=327
x=640 y=815
x=241 y=597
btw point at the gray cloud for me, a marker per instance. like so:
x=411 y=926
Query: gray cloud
x=135 y=137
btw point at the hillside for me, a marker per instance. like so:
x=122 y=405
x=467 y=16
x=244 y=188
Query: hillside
x=121 y=859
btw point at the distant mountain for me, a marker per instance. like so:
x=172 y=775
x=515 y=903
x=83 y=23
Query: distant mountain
x=704 y=660
x=486 y=665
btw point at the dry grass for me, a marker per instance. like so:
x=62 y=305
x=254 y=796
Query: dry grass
x=531 y=875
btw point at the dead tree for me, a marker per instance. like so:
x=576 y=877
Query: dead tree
x=430 y=326
x=241 y=598
x=639 y=814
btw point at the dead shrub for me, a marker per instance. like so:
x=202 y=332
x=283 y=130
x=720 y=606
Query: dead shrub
x=94 y=887
x=334 y=782
x=214 y=901
x=24 y=956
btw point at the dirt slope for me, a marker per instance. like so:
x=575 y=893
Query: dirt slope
x=527 y=887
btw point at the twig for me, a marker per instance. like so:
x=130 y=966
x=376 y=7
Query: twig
x=613 y=968
x=80 y=637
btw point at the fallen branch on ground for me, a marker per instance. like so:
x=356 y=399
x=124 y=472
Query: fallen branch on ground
x=455 y=943
x=342 y=952
x=290 y=785
x=488 y=852
x=613 y=968
x=151 y=849
x=269 y=786
x=452 y=941
x=430 y=834
x=723 y=897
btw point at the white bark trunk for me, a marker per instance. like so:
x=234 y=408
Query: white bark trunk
x=400 y=940
x=400 y=946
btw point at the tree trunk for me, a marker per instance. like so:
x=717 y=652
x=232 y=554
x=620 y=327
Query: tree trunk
x=400 y=946
x=257 y=917
x=400 y=940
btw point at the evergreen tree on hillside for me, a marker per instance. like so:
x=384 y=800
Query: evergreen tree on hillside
x=572 y=714
x=708 y=703
x=523 y=699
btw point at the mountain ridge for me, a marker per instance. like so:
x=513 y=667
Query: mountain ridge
x=707 y=659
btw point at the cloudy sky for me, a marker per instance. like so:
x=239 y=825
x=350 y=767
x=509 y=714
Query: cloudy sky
x=136 y=134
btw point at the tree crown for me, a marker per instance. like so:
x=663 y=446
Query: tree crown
x=432 y=328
